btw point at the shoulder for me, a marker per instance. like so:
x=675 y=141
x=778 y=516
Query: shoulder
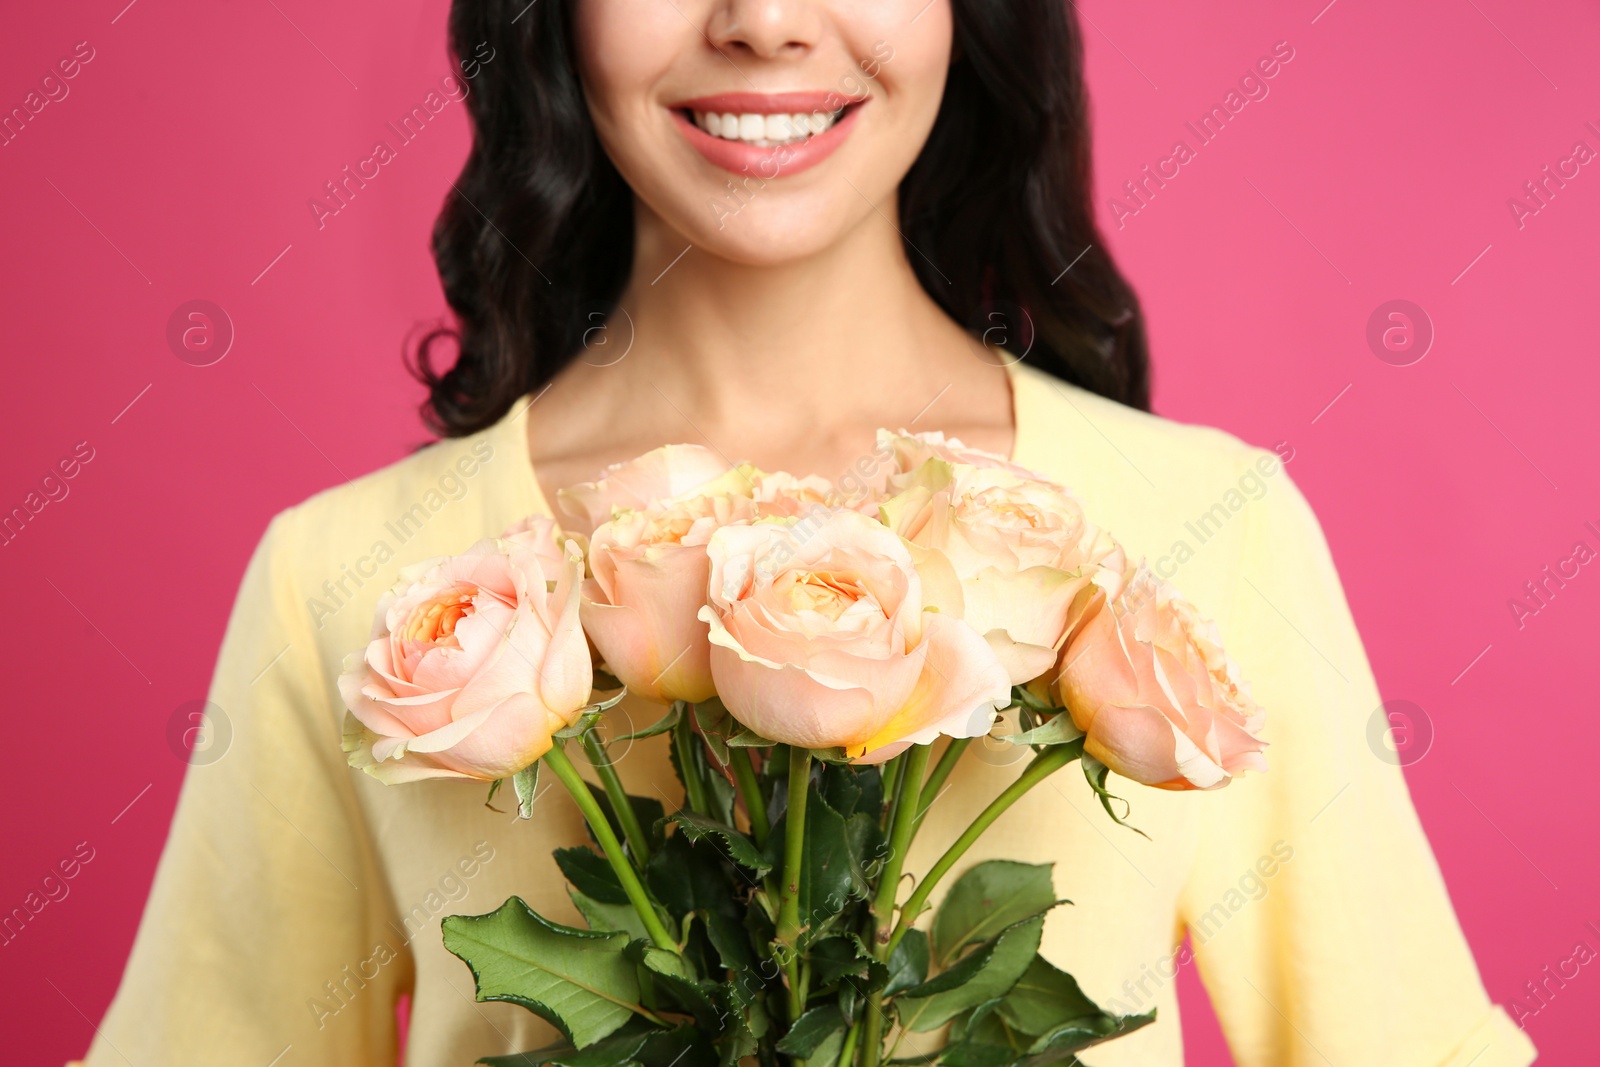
x=331 y=556
x=1063 y=418
x=1185 y=497
x=430 y=479
x=1102 y=448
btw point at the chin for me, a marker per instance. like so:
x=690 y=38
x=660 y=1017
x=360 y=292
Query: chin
x=770 y=235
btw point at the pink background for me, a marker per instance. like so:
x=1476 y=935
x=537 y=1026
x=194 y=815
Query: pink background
x=1378 y=167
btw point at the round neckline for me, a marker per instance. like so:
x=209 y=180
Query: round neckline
x=513 y=425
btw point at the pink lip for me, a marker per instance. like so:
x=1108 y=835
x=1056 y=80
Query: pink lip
x=768 y=103
x=773 y=162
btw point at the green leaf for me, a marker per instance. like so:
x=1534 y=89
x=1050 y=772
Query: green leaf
x=637 y=1043
x=1044 y=999
x=980 y=1039
x=736 y=1042
x=736 y=845
x=908 y=963
x=672 y=1048
x=610 y=702
x=614 y=917
x=983 y=975
x=835 y=957
x=673 y=974
x=1059 y=730
x=810 y=1030
x=720 y=793
x=747 y=738
x=986 y=899
x=583 y=724
x=590 y=874
x=827 y=1053
x=1047 y=1002
x=977 y=1022
x=730 y=942
x=1066 y=1043
x=578 y=980
x=829 y=874
x=957 y=976
x=526 y=783
x=614 y=1051
x=660 y=726
x=687 y=877
x=1096 y=773
x=841 y=787
x=974 y=1054
x=1023 y=697
x=714 y=722
x=868 y=848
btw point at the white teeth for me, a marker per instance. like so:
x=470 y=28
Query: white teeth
x=765 y=130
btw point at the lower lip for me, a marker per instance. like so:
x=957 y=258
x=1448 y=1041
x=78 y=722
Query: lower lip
x=775 y=161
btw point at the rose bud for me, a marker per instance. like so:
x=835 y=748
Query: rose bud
x=1145 y=678
x=641 y=607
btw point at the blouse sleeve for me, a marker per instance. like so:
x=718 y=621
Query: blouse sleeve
x=260 y=932
x=1319 y=920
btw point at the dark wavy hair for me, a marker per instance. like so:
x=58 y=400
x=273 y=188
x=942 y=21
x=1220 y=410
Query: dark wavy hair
x=537 y=232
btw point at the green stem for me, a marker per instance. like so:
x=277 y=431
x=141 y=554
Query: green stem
x=891 y=782
x=1043 y=766
x=556 y=759
x=907 y=799
x=847 y=1051
x=941 y=771
x=872 y=1040
x=750 y=788
x=600 y=760
x=794 y=847
x=683 y=743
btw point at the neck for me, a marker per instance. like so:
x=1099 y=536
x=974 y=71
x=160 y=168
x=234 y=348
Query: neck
x=726 y=333
x=789 y=366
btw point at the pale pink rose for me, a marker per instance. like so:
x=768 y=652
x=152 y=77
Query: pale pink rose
x=1146 y=679
x=548 y=541
x=641 y=606
x=663 y=474
x=836 y=637
x=907 y=452
x=475 y=661
x=1028 y=560
x=782 y=495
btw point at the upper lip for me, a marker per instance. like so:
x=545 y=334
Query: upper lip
x=769 y=103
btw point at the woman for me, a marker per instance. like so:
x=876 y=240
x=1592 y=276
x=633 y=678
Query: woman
x=769 y=228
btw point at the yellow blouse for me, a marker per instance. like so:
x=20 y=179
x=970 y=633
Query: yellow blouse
x=297 y=900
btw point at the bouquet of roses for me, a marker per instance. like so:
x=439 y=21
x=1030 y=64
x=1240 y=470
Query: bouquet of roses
x=809 y=649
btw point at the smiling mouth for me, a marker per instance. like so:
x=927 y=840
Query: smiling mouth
x=770 y=135
x=765 y=130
